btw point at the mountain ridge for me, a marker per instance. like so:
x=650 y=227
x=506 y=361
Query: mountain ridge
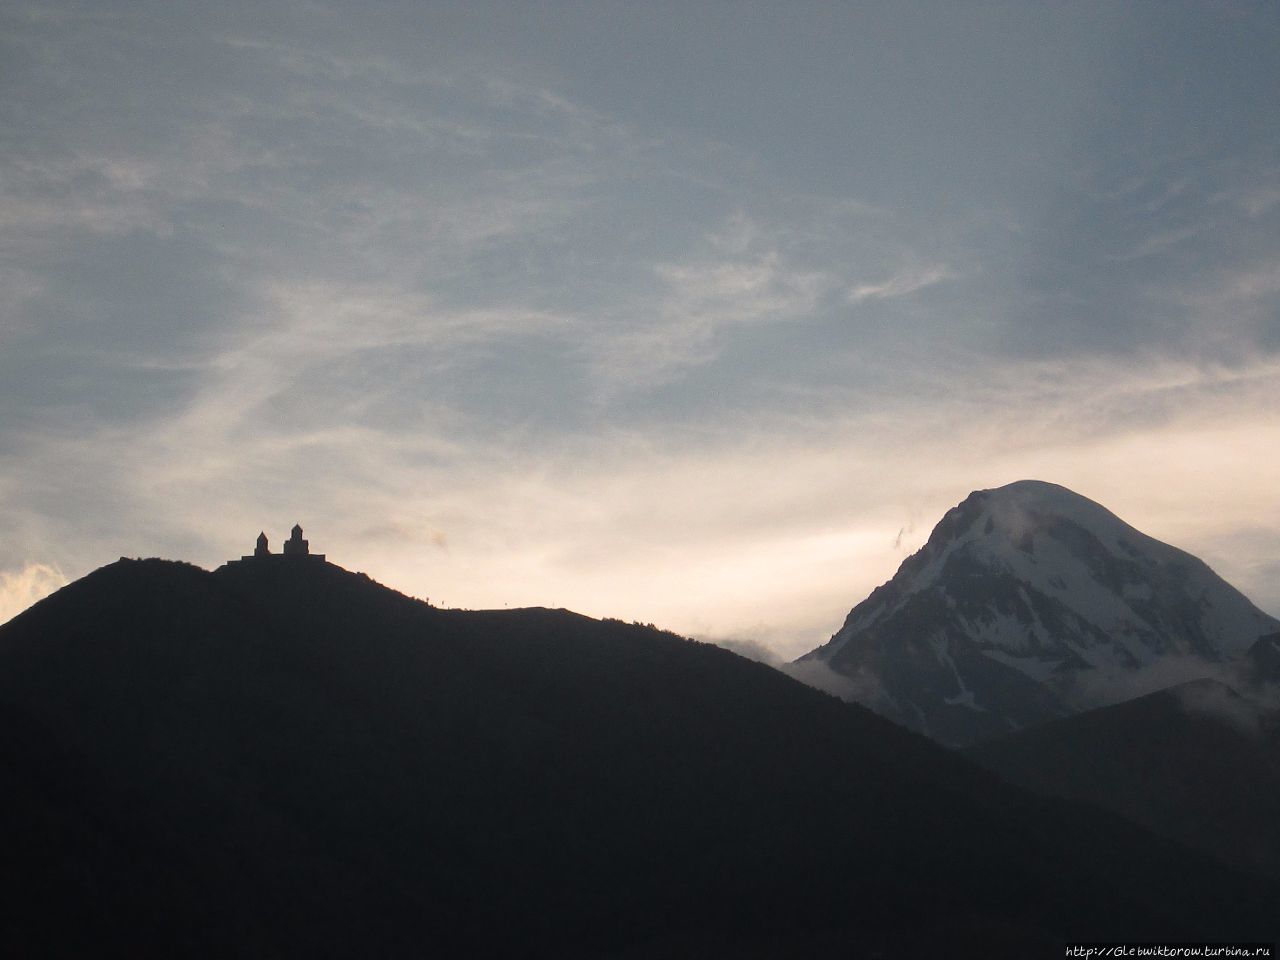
x=284 y=759
x=1197 y=762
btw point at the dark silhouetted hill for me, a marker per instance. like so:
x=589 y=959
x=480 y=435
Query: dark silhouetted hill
x=288 y=760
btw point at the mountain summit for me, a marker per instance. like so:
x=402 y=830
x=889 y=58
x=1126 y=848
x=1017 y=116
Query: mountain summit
x=1030 y=602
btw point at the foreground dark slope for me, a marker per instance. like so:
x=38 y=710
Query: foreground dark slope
x=1197 y=762
x=289 y=760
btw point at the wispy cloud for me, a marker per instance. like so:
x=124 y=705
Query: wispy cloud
x=901 y=284
x=700 y=300
x=1160 y=241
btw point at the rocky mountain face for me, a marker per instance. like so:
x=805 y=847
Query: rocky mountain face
x=286 y=759
x=1031 y=602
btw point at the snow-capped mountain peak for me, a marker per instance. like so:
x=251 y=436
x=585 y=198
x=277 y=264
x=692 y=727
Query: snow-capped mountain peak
x=1022 y=597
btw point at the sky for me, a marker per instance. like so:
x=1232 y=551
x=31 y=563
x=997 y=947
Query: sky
x=694 y=313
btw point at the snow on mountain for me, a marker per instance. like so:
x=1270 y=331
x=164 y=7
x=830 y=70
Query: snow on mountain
x=1027 y=602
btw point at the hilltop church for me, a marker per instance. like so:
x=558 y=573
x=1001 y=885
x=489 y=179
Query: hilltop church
x=295 y=549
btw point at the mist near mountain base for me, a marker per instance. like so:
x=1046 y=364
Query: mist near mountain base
x=1233 y=695
x=862 y=688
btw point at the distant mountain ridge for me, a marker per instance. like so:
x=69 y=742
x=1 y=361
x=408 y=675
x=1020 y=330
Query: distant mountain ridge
x=1197 y=762
x=1021 y=601
x=288 y=759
